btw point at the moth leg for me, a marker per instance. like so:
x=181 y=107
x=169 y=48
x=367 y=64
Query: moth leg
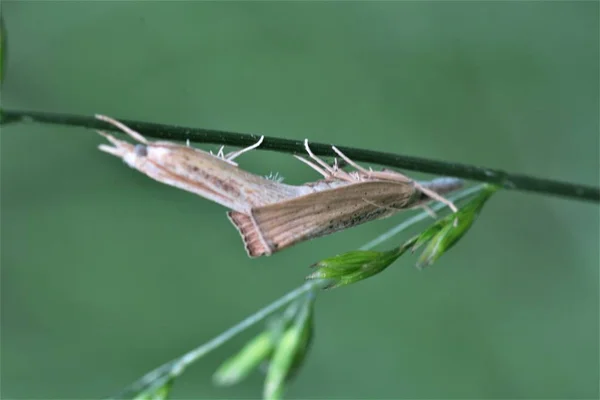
x=435 y=196
x=392 y=175
x=231 y=156
x=221 y=156
x=352 y=163
x=122 y=127
x=355 y=175
x=333 y=172
x=339 y=164
x=322 y=163
x=313 y=166
x=429 y=211
x=397 y=176
x=428 y=192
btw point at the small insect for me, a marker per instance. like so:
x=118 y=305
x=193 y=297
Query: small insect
x=269 y=214
x=367 y=195
x=214 y=177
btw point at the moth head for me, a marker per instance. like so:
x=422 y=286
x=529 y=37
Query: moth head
x=135 y=155
x=140 y=150
x=131 y=154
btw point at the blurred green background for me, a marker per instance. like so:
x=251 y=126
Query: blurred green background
x=106 y=274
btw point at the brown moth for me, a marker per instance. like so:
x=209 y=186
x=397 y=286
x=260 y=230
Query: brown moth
x=272 y=215
x=367 y=196
x=214 y=177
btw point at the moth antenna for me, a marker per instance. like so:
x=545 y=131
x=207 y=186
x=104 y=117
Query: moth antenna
x=235 y=154
x=313 y=166
x=137 y=136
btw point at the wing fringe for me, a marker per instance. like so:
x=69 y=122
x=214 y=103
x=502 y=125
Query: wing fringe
x=252 y=237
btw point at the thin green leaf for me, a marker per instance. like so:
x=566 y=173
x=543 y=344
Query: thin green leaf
x=444 y=234
x=354 y=266
x=159 y=393
x=152 y=385
x=291 y=351
x=239 y=366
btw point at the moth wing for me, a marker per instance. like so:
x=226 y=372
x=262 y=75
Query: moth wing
x=273 y=227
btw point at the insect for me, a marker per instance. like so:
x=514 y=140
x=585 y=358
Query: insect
x=214 y=177
x=271 y=215
x=367 y=195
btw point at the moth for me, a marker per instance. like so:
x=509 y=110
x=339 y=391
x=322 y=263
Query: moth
x=214 y=177
x=367 y=195
x=271 y=215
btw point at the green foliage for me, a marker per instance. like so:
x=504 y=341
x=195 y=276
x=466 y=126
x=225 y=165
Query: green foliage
x=236 y=368
x=156 y=392
x=444 y=234
x=353 y=266
x=283 y=346
x=154 y=385
x=291 y=350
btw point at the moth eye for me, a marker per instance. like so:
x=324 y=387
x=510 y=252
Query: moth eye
x=140 y=150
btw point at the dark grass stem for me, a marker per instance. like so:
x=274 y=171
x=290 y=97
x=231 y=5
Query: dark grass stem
x=199 y=135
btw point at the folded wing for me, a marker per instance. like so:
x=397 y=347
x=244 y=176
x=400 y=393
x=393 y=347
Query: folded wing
x=268 y=229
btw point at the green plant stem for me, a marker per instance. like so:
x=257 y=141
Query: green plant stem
x=497 y=177
x=176 y=367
